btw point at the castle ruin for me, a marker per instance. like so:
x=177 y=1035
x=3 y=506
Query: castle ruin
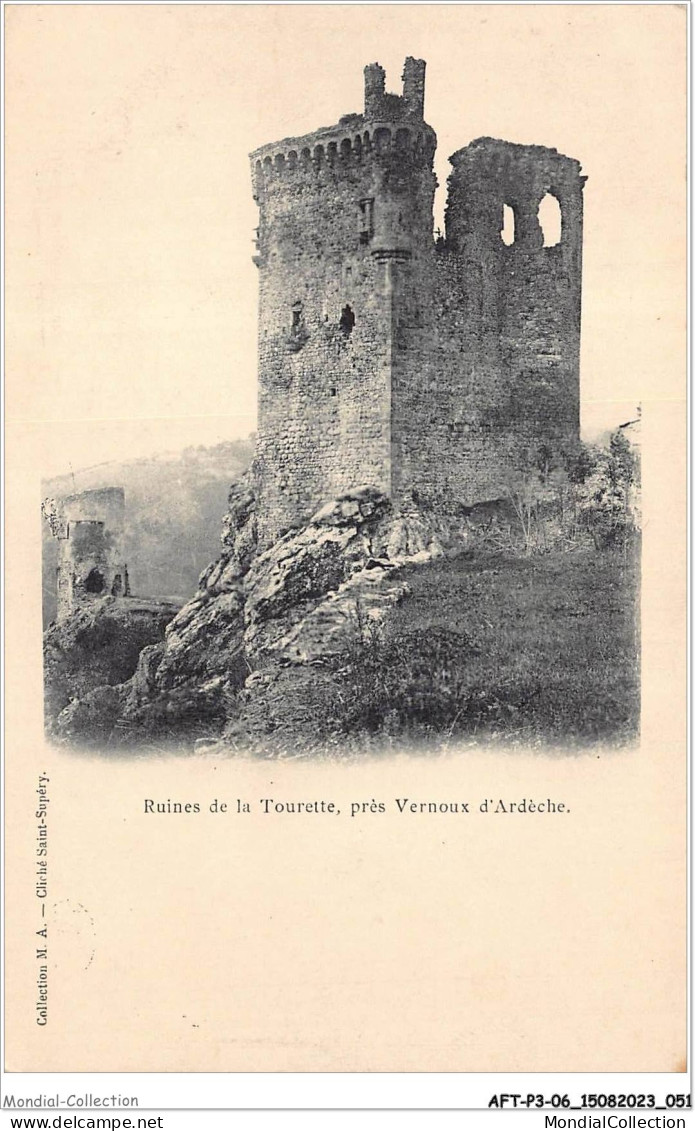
x=89 y=527
x=418 y=364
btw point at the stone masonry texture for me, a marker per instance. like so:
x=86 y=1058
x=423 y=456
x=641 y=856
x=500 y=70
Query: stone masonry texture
x=417 y=365
x=89 y=527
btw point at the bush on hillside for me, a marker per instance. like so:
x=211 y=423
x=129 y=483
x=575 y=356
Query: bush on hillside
x=564 y=497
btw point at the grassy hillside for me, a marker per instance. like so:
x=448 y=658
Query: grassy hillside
x=174 y=508
x=539 y=650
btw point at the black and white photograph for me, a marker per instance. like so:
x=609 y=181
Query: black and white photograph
x=420 y=547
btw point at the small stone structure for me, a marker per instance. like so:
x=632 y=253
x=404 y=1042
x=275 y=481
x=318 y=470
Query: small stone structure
x=392 y=357
x=90 y=528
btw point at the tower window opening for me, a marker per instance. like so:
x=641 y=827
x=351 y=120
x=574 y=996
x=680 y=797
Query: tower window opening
x=550 y=220
x=297 y=310
x=347 y=320
x=508 y=232
x=94 y=582
x=298 y=334
x=366 y=219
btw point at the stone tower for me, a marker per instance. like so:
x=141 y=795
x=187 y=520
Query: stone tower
x=89 y=527
x=389 y=358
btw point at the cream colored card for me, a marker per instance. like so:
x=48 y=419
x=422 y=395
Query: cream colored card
x=228 y=940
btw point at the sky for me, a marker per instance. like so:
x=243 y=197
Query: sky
x=131 y=293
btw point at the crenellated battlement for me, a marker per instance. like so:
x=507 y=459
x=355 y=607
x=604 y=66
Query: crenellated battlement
x=337 y=148
x=392 y=126
x=379 y=104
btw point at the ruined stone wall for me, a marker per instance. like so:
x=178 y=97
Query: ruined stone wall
x=487 y=343
x=528 y=316
x=444 y=380
x=90 y=529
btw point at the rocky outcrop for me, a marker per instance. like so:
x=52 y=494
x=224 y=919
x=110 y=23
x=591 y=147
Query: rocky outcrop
x=90 y=654
x=256 y=614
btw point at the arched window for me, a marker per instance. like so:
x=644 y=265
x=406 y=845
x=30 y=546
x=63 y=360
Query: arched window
x=94 y=583
x=366 y=219
x=550 y=220
x=508 y=226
